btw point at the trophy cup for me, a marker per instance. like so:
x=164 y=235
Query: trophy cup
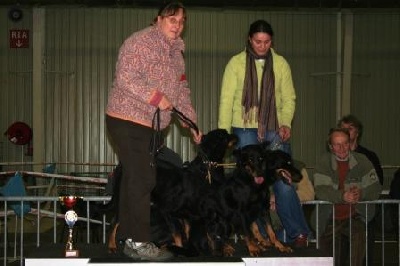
x=70 y=218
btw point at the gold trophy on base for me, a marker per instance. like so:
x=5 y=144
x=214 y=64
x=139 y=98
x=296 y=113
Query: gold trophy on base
x=70 y=218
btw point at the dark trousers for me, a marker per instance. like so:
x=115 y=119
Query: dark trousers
x=371 y=240
x=131 y=144
x=343 y=240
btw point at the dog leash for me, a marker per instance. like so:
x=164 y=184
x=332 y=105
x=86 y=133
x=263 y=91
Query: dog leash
x=227 y=165
x=157 y=140
x=275 y=143
x=185 y=119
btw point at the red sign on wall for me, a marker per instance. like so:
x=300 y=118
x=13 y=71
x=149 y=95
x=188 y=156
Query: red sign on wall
x=19 y=38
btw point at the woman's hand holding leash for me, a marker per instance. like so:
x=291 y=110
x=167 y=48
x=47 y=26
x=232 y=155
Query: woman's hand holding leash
x=165 y=104
x=196 y=133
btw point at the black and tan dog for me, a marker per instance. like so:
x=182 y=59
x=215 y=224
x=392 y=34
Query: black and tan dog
x=244 y=198
x=178 y=189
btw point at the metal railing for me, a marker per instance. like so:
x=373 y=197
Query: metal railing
x=49 y=206
x=38 y=213
x=56 y=216
x=382 y=203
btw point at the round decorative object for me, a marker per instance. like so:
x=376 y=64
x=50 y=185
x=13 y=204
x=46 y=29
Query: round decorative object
x=69 y=201
x=71 y=217
x=15 y=14
x=19 y=133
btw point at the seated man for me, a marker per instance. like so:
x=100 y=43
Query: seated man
x=355 y=128
x=345 y=178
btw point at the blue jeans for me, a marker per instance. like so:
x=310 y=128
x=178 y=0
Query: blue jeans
x=290 y=211
x=288 y=205
x=248 y=136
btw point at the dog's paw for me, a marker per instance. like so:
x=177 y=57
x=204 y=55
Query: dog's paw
x=282 y=248
x=264 y=244
x=228 y=250
x=254 y=249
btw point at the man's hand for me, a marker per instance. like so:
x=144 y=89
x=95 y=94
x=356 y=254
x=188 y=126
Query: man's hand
x=353 y=195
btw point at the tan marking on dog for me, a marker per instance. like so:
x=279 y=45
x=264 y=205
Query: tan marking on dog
x=277 y=244
x=112 y=244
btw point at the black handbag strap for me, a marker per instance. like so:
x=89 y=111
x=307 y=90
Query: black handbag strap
x=155 y=123
x=157 y=140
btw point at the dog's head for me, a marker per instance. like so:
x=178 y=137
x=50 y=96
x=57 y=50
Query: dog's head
x=251 y=159
x=215 y=144
x=279 y=165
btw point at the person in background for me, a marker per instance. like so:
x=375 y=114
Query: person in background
x=257 y=99
x=257 y=103
x=394 y=193
x=304 y=189
x=345 y=178
x=355 y=128
x=305 y=192
x=150 y=74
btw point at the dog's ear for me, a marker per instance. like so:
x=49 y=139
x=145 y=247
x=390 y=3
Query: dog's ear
x=277 y=158
x=214 y=137
x=216 y=143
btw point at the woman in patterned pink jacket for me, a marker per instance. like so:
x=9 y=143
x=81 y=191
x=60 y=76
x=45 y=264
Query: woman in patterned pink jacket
x=150 y=74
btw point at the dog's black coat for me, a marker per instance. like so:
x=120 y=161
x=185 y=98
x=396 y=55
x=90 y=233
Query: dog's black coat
x=244 y=197
x=179 y=187
x=179 y=191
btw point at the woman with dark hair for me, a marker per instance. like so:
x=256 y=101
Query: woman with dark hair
x=257 y=104
x=257 y=95
x=150 y=75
